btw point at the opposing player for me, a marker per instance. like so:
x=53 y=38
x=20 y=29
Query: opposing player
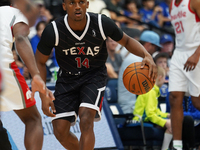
x=79 y=41
x=16 y=94
x=185 y=66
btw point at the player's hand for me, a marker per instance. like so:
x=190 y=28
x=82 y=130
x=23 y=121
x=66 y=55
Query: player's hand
x=148 y=60
x=191 y=62
x=47 y=101
x=37 y=84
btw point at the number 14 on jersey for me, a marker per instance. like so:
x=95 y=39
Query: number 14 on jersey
x=84 y=63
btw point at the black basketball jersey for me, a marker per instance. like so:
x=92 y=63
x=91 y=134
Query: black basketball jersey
x=79 y=52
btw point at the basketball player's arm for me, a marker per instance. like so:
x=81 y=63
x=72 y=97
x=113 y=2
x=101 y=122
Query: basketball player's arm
x=29 y=9
x=133 y=46
x=42 y=55
x=136 y=48
x=194 y=59
x=20 y=32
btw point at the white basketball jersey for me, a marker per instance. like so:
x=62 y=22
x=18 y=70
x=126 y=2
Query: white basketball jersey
x=186 y=24
x=9 y=16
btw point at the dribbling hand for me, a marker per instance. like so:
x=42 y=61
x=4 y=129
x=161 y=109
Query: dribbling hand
x=148 y=60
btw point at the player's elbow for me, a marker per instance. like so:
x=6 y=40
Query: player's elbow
x=19 y=38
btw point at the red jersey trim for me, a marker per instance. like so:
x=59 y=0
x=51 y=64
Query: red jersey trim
x=101 y=103
x=196 y=16
x=22 y=85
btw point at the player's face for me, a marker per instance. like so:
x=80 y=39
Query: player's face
x=75 y=9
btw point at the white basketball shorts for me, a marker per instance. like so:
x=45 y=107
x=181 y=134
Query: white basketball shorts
x=179 y=79
x=16 y=94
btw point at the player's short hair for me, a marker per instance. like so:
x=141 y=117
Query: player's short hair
x=5 y=2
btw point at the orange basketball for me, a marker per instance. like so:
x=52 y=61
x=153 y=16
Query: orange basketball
x=136 y=79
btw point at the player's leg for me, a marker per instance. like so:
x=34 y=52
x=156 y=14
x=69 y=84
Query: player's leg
x=196 y=102
x=62 y=132
x=176 y=114
x=90 y=110
x=87 y=139
x=178 y=85
x=33 y=127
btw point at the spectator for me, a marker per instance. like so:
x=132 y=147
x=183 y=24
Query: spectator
x=55 y=7
x=44 y=15
x=161 y=61
x=117 y=12
x=132 y=12
x=131 y=9
x=166 y=21
x=113 y=6
x=114 y=59
x=150 y=12
x=167 y=43
x=150 y=40
x=146 y=106
x=100 y=9
x=39 y=29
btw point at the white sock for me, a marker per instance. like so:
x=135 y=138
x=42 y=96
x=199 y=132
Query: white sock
x=166 y=141
x=177 y=144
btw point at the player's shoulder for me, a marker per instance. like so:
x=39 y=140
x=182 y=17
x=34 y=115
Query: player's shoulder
x=93 y=14
x=195 y=5
x=9 y=9
x=58 y=22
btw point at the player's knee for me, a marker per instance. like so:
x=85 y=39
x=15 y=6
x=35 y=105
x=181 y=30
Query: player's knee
x=174 y=100
x=86 y=124
x=33 y=118
x=59 y=131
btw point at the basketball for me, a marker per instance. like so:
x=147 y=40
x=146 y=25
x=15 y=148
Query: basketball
x=136 y=79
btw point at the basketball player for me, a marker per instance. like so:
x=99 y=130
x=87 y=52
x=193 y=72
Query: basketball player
x=16 y=95
x=79 y=41
x=185 y=65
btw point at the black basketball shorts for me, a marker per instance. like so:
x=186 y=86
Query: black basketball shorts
x=74 y=91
